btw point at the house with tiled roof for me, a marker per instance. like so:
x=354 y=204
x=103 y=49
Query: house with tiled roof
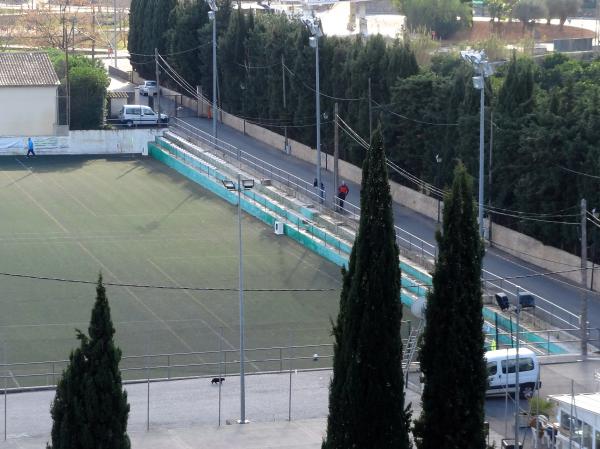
x=28 y=95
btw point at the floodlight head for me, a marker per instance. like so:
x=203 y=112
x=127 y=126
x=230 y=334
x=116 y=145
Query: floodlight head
x=211 y=15
x=229 y=185
x=313 y=42
x=212 y=5
x=314 y=26
x=247 y=183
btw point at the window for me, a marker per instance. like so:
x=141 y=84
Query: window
x=148 y=111
x=492 y=368
x=525 y=364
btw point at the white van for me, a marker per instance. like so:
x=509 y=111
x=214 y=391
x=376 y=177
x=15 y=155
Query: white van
x=135 y=114
x=501 y=368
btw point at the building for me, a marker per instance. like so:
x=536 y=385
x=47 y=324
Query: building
x=28 y=95
x=578 y=420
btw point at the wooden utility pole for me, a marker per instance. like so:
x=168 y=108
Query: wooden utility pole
x=370 y=114
x=584 y=299
x=157 y=83
x=284 y=103
x=336 y=149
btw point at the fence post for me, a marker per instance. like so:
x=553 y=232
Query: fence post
x=280 y=359
x=169 y=366
x=220 y=370
x=5 y=384
x=290 y=391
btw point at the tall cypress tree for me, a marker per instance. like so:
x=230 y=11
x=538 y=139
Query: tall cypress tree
x=90 y=409
x=366 y=402
x=453 y=399
x=69 y=428
x=106 y=401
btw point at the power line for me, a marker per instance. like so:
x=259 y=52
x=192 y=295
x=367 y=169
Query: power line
x=287 y=126
x=556 y=214
x=578 y=172
x=321 y=93
x=163 y=287
x=422 y=122
x=257 y=67
x=521 y=217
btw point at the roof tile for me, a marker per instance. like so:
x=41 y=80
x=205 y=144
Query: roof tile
x=27 y=69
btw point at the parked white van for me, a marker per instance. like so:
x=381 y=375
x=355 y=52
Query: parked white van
x=501 y=368
x=135 y=114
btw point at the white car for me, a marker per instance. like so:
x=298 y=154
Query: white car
x=136 y=114
x=148 y=88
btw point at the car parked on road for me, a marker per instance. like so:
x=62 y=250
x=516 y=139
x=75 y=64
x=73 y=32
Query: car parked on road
x=136 y=114
x=148 y=88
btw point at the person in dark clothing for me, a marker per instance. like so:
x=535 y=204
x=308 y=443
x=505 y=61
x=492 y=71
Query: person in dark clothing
x=343 y=191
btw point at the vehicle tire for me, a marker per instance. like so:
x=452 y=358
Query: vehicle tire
x=129 y=123
x=526 y=391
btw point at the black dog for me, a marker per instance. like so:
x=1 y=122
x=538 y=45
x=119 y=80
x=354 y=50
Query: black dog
x=217 y=380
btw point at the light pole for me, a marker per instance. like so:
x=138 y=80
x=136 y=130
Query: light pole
x=481 y=65
x=212 y=17
x=438 y=160
x=314 y=26
x=242 y=184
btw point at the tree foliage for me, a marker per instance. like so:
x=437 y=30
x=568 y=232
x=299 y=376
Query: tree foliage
x=90 y=409
x=561 y=9
x=527 y=11
x=544 y=113
x=88 y=85
x=445 y=17
x=453 y=399
x=367 y=374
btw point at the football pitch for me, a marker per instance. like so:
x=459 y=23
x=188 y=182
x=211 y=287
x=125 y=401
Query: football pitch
x=142 y=224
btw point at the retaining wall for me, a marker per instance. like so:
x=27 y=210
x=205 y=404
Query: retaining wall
x=113 y=141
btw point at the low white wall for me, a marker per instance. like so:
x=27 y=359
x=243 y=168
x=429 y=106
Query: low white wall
x=114 y=141
x=533 y=251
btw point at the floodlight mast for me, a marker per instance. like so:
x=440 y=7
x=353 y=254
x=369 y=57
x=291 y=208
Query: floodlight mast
x=314 y=26
x=481 y=65
x=212 y=17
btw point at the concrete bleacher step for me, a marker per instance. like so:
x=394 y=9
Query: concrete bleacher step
x=289 y=211
x=318 y=227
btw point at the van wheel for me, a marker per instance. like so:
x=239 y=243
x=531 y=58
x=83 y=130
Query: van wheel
x=526 y=391
x=129 y=123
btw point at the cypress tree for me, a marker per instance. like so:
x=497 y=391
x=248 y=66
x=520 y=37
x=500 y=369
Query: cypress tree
x=69 y=428
x=106 y=401
x=453 y=400
x=90 y=409
x=366 y=402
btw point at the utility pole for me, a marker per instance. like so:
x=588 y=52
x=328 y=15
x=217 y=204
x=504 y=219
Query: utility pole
x=490 y=215
x=93 y=31
x=115 y=30
x=370 y=114
x=284 y=102
x=584 y=299
x=336 y=147
x=157 y=83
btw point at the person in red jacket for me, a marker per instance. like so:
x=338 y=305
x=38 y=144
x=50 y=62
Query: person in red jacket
x=343 y=191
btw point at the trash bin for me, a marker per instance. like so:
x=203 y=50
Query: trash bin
x=502 y=301
x=510 y=444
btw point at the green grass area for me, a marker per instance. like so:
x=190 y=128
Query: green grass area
x=138 y=222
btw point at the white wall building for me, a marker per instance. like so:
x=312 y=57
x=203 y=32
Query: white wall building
x=578 y=420
x=28 y=95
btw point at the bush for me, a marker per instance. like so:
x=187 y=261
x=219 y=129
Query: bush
x=445 y=17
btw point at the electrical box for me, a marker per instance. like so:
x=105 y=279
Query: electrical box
x=278 y=228
x=502 y=301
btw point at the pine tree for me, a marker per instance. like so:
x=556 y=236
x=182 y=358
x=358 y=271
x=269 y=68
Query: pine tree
x=453 y=400
x=106 y=401
x=366 y=399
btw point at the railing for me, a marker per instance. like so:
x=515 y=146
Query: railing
x=553 y=314
x=546 y=340
x=292 y=184
x=545 y=310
